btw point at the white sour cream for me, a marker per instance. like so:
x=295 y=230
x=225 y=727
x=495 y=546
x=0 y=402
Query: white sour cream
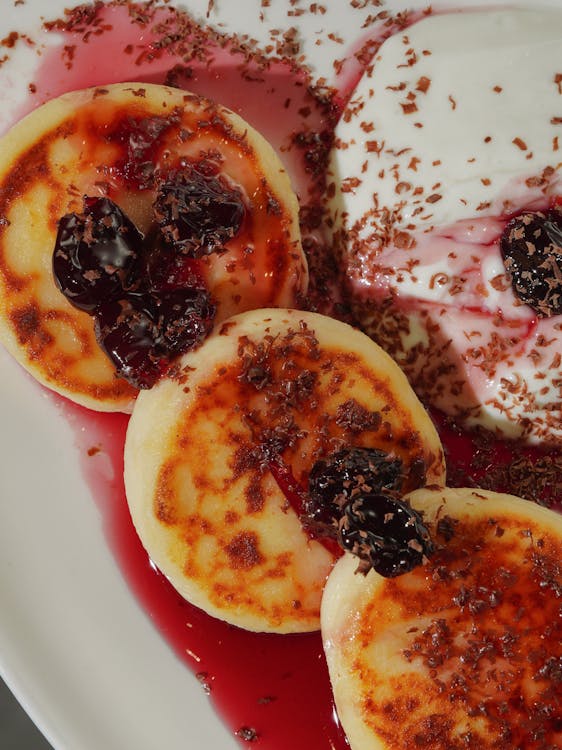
x=456 y=125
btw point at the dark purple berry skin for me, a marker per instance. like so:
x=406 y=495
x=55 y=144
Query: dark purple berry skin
x=198 y=212
x=148 y=301
x=353 y=498
x=385 y=533
x=146 y=293
x=332 y=481
x=126 y=331
x=143 y=332
x=162 y=267
x=531 y=247
x=184 y=318
x=95 y=253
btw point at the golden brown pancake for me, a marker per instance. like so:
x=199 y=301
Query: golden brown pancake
x=462 y=653
x=87 y=143
x=267 y=386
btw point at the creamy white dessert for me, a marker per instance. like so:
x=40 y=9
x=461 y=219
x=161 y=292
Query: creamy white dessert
x=452 y=129
x=463 y=652
x=217 y=456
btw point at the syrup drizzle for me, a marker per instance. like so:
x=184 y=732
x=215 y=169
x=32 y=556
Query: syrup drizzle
x=274 y=686
x=272 y=691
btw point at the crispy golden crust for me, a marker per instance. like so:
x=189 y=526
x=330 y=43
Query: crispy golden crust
x=78 y=145
x=464 y=652
x=199 y=451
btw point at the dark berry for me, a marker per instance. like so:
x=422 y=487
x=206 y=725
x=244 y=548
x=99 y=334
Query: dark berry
x=531 y=247
x=385 y=533
x=126 y=330
x=140 y=139
x=162 y=267
x=148 y=301
x=95 y=252
x=143 y=332
x=184 y=318
x=198 y=212
x=334 y=480
x=353 y=498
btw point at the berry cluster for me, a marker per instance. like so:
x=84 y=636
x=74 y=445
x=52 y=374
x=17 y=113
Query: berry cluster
x=354 y=498
x=146 y=293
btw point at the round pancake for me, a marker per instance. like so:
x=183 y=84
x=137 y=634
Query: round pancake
x=266 y=386
x=464 y=652
x=104 y=142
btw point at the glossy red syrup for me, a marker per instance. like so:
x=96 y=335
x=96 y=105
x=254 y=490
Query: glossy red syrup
x=272 y=691
x=276 y=100
x=274 y=688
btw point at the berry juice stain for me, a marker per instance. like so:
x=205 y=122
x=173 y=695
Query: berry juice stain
x=272 y=691
x=112 y=46
x=271 y=688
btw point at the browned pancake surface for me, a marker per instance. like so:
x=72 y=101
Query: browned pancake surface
x=111 y=142
x=464 y=652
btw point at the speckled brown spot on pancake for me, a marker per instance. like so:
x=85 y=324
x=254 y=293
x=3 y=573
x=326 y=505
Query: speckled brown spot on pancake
x=164 y=499
x=27 y=324
x=243 y=551
x=254 y=496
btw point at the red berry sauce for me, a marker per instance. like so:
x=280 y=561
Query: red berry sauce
x=274 y=688
x=272 y=691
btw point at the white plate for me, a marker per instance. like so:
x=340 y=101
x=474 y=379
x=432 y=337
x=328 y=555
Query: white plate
x=77 y=649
